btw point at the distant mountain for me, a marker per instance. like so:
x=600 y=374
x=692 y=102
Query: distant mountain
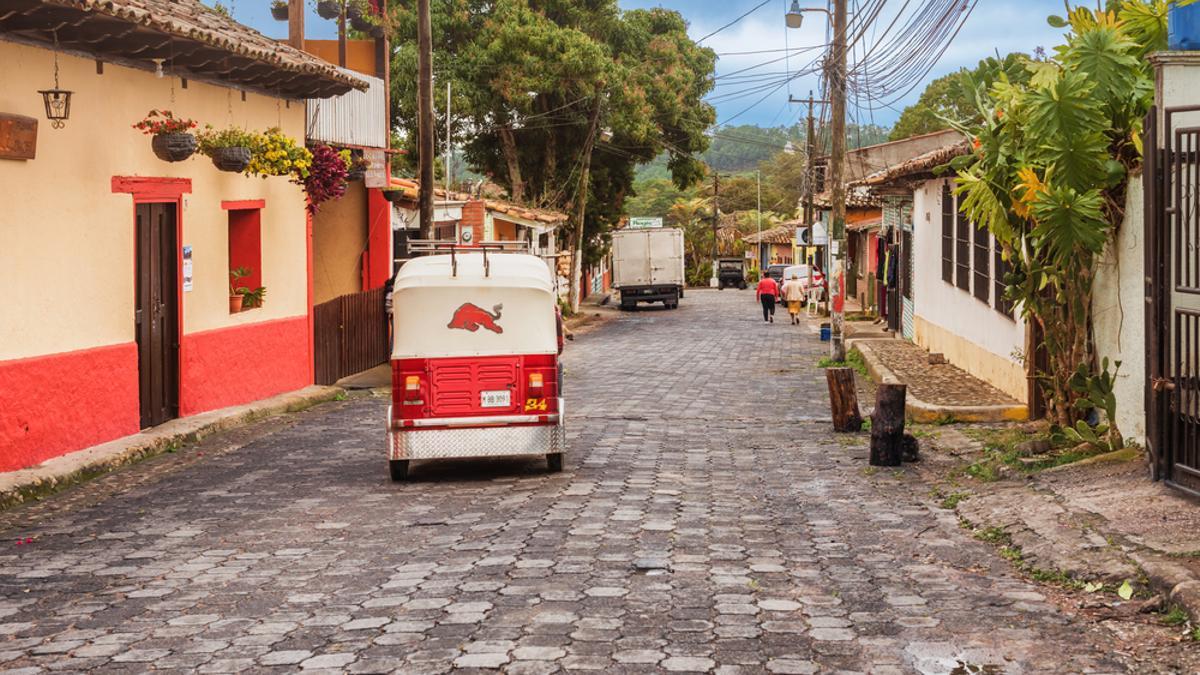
x=741 y=148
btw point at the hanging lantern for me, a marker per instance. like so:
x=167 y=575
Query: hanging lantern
x=58 y=105
x=57 y=100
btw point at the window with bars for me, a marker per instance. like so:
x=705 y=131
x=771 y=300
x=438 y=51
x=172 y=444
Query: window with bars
x=947 y=234
x=983 y=264
x=1003 y=267
x=962 y=251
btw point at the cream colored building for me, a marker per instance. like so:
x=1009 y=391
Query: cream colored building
x=114 y=264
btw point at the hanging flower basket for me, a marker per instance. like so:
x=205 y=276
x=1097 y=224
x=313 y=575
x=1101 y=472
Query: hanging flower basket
x=173 y=147
x=170 y=138
x=353 y=11
x=328 y=9
x=376 y=31
x=355 y=175
x=360 y=23
x=234 y=159
x=393 y=196
x=279 y=11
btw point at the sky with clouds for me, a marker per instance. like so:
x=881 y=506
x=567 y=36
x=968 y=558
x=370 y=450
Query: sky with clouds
x=994 y=26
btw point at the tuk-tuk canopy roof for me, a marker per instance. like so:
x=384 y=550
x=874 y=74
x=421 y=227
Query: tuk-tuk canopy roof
x=439 y=313
x=504 y=270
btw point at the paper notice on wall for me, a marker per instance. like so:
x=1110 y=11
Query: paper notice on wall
x=835 y=246
x=187 y=269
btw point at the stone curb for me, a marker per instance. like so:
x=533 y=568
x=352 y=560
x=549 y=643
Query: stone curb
x=55 y=474
x=1175 y=582
x=919 y=411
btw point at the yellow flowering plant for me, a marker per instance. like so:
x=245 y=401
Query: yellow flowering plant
x=275 y=154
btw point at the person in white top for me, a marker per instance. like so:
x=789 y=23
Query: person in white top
x=793 y=295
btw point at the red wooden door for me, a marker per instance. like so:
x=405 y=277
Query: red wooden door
x=156 y=315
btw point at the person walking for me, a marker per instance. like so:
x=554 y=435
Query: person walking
x=793 y=295
x=767 y=291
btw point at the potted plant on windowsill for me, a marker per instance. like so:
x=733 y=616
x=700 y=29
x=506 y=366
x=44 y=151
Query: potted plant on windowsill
x=236 y=292
x=171 y=140
x=279 y=10
x=253 y=298
x=329 y=9
x=229 y=148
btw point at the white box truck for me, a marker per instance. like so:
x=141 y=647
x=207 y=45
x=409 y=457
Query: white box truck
x=648 y=266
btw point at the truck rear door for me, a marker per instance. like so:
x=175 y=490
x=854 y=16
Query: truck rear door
x=662 y=253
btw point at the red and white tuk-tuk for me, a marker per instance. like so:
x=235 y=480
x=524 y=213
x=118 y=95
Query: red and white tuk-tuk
x=475 y=372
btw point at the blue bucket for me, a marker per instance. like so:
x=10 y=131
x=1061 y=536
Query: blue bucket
x=1183 y=28
x=826 y=333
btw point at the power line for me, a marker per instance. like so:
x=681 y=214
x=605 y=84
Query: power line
x=752 y=10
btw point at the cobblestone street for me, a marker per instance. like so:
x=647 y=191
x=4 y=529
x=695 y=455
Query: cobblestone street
x=707 y=520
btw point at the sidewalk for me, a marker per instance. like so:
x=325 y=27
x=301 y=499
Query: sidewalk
x=1100 y=519
x=61 y=472
x=936 y=392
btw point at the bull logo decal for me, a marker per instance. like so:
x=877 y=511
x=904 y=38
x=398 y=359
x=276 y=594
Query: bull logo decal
x=471 y=317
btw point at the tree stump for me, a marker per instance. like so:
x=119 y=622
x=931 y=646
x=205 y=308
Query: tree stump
x=843 y=399
x=887 y=425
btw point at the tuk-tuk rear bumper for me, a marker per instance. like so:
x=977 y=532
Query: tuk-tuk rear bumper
x=478 y=437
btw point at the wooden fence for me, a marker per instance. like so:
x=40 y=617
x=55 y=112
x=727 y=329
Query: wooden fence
x=350 y=335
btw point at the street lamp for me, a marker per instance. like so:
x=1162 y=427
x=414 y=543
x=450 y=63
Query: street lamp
x=795 y=15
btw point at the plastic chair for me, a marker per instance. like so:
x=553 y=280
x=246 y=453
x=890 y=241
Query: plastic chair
x=815 y=295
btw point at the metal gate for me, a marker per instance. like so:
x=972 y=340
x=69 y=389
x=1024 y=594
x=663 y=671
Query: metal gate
x=1172 y=196
x=350 y=335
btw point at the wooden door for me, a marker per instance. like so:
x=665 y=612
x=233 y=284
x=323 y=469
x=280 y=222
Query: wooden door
x=157 y=312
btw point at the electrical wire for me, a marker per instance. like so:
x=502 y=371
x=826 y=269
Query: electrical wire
x=731 y=23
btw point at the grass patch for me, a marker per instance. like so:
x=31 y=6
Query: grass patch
x=1001 y=454
x=950 y=501
x=1011 y=552
x=1175 y=617
x=854 y=359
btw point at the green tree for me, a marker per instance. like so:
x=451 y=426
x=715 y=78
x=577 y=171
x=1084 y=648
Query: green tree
x=953 y=97
x=535 y=82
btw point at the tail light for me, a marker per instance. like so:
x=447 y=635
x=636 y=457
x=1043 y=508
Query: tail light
x=412 y=390
x=536 y=387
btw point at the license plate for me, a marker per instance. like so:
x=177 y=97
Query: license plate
x=495 y=399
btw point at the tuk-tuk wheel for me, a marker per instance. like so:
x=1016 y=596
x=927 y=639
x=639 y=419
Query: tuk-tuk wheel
x=554 y=462
x=399 y=469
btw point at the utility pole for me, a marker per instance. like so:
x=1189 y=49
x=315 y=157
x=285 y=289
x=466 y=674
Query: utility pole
x=296 y=24
x=810 y=176
x=758 y=178
x=425 y=118
x=712 y=281
x=837 y=161
x=581 y=197
x=449 y=148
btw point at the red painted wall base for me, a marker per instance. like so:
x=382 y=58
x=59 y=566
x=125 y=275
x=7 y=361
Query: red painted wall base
x=51 y=405
x=232 y=366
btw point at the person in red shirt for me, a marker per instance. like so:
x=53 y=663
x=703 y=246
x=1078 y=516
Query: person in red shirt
x=767 y=291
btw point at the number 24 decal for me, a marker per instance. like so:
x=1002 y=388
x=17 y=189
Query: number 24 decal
x=535 y=404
